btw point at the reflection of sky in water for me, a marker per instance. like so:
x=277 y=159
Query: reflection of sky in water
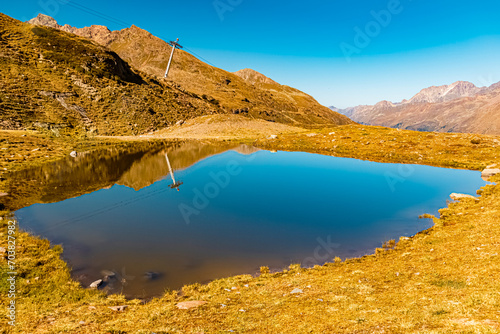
x=273 y=211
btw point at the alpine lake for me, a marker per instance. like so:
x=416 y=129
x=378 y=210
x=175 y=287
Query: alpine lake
x=155 y=218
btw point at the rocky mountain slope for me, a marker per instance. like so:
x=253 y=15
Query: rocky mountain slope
x=445 y=93
x=459 y=107
x=233 y=92
x=59 y=82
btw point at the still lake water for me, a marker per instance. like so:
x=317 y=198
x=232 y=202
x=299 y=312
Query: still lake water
x=234 y=212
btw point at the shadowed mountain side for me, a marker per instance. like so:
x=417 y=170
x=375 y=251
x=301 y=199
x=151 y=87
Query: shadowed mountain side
x=229 y=91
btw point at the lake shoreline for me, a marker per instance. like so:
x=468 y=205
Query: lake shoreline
x=365 y=292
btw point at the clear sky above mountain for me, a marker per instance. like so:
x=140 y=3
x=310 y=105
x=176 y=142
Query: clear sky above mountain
x=343 y=52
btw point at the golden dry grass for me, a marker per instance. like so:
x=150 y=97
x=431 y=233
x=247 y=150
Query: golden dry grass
x=225 y=127
x=443 y=280
x=456 y=150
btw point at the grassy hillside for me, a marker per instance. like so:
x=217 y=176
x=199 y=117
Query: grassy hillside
x=59 y=82
x=231 y=92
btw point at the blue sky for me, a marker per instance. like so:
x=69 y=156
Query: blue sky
x=343 y=52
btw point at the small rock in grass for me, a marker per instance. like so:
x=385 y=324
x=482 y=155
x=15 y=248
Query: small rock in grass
x=190 y=304
x=4 y=194
x=118 y=308
x=96 y=284
x=273 y=136
x=73 y=154
x=296 y=290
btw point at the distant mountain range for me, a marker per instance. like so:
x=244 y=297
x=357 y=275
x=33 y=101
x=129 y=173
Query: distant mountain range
x=246 y=92
x=459 y=107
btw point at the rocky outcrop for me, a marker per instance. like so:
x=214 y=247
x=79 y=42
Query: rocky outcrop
x=98 y=33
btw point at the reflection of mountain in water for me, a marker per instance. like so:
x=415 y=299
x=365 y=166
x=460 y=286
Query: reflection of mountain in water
x=136 y=165
x=153 y=166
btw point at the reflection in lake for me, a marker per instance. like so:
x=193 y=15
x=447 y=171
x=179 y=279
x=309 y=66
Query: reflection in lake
x=175 y=184
x=179 y=214
x=136 y=166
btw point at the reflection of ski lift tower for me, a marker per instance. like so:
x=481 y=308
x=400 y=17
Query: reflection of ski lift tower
x=176 y=184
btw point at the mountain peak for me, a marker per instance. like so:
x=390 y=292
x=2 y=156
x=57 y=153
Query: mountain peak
x=445 y=93
x=254 y=77
x=44 y=20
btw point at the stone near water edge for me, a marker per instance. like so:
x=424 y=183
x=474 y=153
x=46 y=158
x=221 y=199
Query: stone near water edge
x=151 y=275
x=489 y=172
x=190 y=304
x=96 y=284
x=120 y=308
x=457 y=197
x=108 y=275
x=73 y=154
x=296 y=290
